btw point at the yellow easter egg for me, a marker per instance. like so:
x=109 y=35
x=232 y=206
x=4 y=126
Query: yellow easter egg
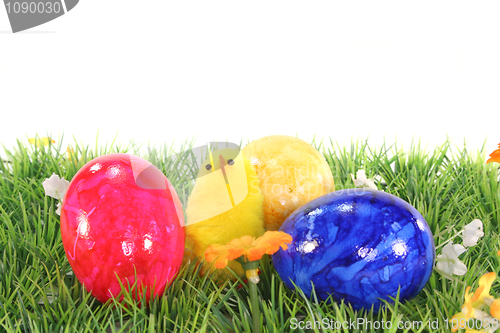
x=291 y=173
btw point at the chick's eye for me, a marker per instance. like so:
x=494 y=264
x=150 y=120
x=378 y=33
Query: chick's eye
x=208 y=166
x=230 y=161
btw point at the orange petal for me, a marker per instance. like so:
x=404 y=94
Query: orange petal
x=242 y=242
x=247 y=240
x=273 y=240
x=214 y=251
x=468 y=294
x=478 y=293
x=221 y=262
x=487 y=280
x=235 y=253
x=269 y=236
x=218 y=253
x=256 y=253
x=494 y=156
x=495 y=308
x=483 y=290
x=253 y=249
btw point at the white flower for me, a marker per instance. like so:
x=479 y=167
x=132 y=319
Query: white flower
x=55 y=187
x=449 y=263
x=362 y=181
x=50 y=298
x=472 y=232
x=483 y=317
x=59 y=207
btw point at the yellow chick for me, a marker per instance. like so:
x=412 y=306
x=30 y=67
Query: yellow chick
x=226 y=203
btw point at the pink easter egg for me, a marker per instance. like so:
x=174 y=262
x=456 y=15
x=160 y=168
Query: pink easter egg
x=122 y=217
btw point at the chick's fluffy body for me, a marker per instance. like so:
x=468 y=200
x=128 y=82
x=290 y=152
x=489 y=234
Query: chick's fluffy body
x=211 y=216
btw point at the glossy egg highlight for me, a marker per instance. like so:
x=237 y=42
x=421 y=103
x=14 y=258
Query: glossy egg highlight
x=122 y=217
x=357 y=245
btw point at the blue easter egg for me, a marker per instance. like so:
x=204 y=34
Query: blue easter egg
x=358 y=245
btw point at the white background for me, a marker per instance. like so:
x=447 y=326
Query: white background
x=159 y=71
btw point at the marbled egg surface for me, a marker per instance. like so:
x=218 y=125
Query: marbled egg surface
x=291 y=173
x=121 y=216
x=358 y=245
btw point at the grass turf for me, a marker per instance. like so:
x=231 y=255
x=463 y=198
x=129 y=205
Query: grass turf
x=39 y=293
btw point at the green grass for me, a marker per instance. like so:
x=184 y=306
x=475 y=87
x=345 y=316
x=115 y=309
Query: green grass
x=450 y=187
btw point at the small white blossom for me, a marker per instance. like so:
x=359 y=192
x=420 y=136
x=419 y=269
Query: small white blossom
x=59 y=207
x=472 y=232
x=55 y=187
x=450 y=264
x=362 y=181
x=51 y=297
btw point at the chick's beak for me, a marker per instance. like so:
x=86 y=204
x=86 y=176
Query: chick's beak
x=222 y=163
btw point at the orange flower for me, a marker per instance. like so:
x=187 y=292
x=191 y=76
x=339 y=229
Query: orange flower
x=253 y=249
x=483 y=291
x=495 y=308
x=495 y=156
x=41 y=141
